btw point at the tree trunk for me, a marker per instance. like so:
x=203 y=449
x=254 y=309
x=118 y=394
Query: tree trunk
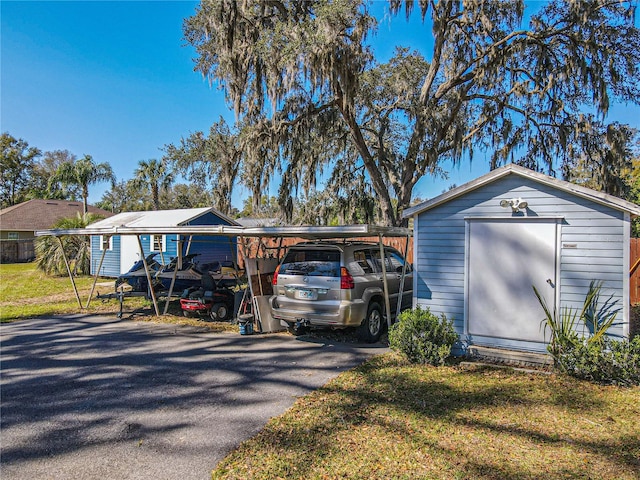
x=85 y=199
x=155 y=197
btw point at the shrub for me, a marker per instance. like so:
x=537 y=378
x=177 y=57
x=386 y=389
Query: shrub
x=608 y=361
x=597 y=318
x=594 y=356
x=422 y=337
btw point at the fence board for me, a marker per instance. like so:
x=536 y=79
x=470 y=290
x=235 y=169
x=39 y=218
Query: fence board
x=634 y=274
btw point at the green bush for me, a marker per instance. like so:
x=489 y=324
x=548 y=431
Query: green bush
x=595 y=356
x=607 y=361
x=422 y=337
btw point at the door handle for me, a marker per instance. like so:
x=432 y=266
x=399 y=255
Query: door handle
x=550 y=282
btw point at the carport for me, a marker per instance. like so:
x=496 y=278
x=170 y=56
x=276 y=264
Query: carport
x=243 y=234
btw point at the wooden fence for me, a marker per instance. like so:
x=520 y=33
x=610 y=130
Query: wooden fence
x=268 y=247
x=15 y=251
x=634 y=272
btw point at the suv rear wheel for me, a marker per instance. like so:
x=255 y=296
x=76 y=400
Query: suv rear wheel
x=372 y=325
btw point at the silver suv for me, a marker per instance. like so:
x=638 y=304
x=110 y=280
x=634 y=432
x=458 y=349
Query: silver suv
x=338 y=285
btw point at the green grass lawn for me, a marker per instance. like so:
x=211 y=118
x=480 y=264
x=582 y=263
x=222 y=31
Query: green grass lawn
x=391 y=420
x=26 y=292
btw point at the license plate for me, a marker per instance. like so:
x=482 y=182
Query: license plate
x=305 y=294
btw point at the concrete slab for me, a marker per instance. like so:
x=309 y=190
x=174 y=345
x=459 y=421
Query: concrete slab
x=510 y=357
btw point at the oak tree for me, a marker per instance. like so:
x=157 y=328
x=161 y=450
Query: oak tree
x=499 y=79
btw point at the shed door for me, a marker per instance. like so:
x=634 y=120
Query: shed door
x=129 y=252
x=505 y=258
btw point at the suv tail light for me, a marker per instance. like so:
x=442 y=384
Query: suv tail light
x=274 y=278
x=346 y=280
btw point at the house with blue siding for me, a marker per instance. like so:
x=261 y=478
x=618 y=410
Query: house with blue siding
x=122 y=251
x=481 y=247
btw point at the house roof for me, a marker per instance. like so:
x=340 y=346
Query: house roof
x=512 y=169
x=258 y=222
x=156 y=219
x=39 y=214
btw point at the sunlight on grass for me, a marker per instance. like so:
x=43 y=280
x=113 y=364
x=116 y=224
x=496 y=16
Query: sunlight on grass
x=19 y=281
x=387 y=419
x=26 y=292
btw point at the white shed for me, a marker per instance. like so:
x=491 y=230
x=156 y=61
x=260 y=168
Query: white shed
x=479 y=249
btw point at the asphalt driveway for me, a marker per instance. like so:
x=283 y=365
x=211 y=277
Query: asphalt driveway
x=87 y=397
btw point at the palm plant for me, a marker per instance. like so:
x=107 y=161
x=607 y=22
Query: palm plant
x=77 y=248
x=156 y=174
x=562 y=326
x=598 y=320
x=82 y=173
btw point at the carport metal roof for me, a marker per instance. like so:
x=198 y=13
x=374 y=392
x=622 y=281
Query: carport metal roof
x=306 y=232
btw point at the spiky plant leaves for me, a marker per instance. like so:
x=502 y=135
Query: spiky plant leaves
x=51 y=250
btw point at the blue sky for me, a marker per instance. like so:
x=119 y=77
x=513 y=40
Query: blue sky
x=114 y=80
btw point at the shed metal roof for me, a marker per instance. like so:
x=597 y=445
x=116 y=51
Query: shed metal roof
x=156 y=218
x=512 y=169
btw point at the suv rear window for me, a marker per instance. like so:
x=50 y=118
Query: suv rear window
x=314 y=263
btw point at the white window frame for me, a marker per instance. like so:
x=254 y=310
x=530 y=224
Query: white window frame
x=13 y=236
x=108 y=240
x=153 y=239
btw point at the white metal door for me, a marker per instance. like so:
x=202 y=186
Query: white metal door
x=129 y=252
x=505 y=259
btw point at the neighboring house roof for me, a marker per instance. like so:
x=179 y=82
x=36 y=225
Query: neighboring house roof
x=157 y=218
x=258 y=222
x=39 y=214
x=512 y=169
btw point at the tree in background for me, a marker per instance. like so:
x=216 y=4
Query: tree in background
x=604 y=158
x=44 y=169
x=212 y=162
x=303 y=82
x=156 y=176
x=125 y=196
x=17 y=162
x=634 y=190
x=49 y=250
x=186 y=196
x=82 y=173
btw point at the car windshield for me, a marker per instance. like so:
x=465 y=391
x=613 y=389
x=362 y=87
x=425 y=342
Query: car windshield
x=315 y=263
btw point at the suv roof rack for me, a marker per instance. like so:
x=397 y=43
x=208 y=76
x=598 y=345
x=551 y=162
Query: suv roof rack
x=334 y=242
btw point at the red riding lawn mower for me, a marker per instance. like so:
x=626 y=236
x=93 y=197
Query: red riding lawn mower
x=209 y=300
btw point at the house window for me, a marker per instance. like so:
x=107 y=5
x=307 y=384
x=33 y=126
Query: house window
x=106 y=242
x=13 y=235
x=158 y=243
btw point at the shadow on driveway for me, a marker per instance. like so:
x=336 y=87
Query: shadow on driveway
x=96 y=397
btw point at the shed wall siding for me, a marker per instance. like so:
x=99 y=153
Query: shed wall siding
x=209 y=248
x=212 y=248
x=589 y=231
x=111 y=263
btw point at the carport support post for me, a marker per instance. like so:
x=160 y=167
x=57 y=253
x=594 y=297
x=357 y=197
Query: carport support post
x=95 y=277
x=387 y=305
x=66 y=262
x=173 y=278
x=146 y=271
x=404 y=274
